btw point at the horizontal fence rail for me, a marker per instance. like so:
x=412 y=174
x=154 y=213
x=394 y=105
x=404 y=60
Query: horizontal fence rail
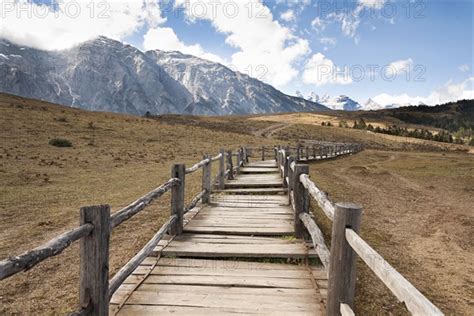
x=196 y=167
x=127 y=269
x=134 y=208
x=323 y=202
x=54 y=247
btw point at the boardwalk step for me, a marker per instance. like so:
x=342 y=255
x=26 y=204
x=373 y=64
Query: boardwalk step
x=249 y=191
x=258 y=170
x=225 y=246
x=190 y=286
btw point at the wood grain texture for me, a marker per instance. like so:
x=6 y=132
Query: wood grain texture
x=54 y=247
x=415 y=302
x=196 y=286
x=94 y=260
x=342 y=270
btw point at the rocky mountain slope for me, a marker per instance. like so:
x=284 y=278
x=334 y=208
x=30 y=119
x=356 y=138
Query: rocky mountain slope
x=107 y=75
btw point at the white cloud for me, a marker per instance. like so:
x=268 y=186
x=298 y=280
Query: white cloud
x=447 y=93
x=328 y=42
x=288 y=16
x=164 y=38
x=374 y=4
x=265 y=48
x=349 y=22
x=320 y=70
x=350 y=19
x=398 y=67
x=318 y=24
x=72 y=22
x=464 y=68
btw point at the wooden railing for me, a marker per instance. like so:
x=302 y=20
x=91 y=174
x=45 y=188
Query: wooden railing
x=96 y=225
x=346 y=242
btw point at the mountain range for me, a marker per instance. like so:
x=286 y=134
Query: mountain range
x=107 y=75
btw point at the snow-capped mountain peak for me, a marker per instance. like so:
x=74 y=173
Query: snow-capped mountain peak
x=341 y=102
x=371 y=105
x=107 y=75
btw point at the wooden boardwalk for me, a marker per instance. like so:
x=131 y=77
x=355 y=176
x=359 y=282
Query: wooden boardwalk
x=220 y=264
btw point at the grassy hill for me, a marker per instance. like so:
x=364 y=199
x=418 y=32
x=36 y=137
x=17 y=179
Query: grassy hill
x=416 y=194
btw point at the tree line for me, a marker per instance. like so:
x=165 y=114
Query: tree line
x=462 y=136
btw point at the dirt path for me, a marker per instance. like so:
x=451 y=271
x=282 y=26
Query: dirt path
x=269 y=131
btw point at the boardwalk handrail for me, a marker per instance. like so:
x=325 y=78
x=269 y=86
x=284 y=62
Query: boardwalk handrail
x=415 y=302
x=55 y=246
x=198 y=165
x=339 y=262
x=323 y=202
x=97 y=224
x=194 y=201
x=127 y=269
x=134 y=208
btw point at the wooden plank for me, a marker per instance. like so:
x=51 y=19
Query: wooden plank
x=252 y=191
x=216 y=289
x=213 y=239
x=317 y=271
x=271 y=231
x=250 y=184
x=238 y=281
x=258 y=170
x=227 y=271
x=186 y=310
x=221 y=300
x=279 y=248
x=220 y=287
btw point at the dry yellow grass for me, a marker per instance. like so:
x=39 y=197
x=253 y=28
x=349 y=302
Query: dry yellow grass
x=417 y=214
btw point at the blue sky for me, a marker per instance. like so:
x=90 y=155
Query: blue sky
x=392 y=51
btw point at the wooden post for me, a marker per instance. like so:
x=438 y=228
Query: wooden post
x=314 y=152
x=301 y=197
x=177 y=198
x=342 y=270
x=94 y=262
x=246 y=155
x=285 y=169
x=230 y=165
x=206 y=179
x=291 y=159
x=222 y=169
x=239 y=160
x=298 y=153
x=307 y=153
x=263 y=153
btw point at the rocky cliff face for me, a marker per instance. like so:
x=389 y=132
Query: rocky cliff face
x=106 y=75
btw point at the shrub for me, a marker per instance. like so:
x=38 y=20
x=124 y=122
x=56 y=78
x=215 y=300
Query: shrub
x=60 y=142
x=61 y=119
